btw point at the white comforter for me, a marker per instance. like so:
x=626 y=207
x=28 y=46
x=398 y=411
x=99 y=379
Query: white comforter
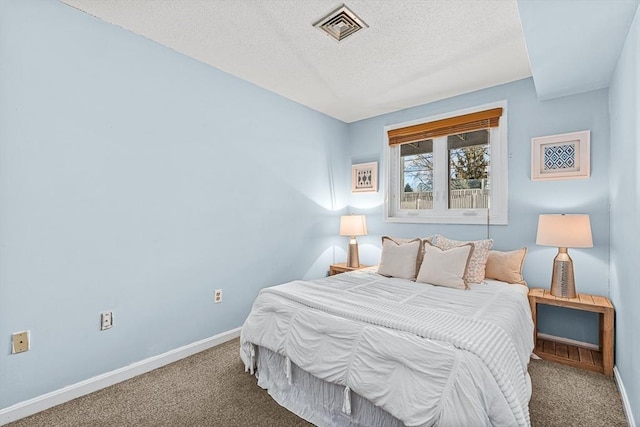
x=428 y=355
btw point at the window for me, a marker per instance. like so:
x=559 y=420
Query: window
x=449 y=169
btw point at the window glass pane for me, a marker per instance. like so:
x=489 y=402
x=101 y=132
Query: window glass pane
x=469 y=170
x=416 y=160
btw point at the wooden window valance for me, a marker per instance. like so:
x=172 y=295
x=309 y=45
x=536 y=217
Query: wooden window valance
x=452 y=125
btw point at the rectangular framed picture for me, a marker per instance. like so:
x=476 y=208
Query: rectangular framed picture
x=364 y=177
x=564 y=156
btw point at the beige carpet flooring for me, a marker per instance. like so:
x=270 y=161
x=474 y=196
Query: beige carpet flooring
x=212 y=389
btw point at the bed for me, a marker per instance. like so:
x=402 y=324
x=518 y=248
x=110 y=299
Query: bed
x=360 y=348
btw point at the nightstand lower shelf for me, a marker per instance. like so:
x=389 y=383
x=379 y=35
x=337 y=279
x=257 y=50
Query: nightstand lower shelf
x=578 y=357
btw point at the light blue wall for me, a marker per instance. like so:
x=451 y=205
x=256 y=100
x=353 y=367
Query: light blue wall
x=565 y=38
x=527 y=117
x=624 y=104
x=137 y=180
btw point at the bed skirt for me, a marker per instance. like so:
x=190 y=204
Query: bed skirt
x=313 y=399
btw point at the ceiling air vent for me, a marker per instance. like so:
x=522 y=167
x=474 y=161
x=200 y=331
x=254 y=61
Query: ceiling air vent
x=340 y=23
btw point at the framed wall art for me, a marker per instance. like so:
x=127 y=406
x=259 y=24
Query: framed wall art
x=564 y=156
x=364 y=177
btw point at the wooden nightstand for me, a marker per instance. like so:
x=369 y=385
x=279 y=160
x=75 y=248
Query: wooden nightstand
x=580 y=357
x=342 y=268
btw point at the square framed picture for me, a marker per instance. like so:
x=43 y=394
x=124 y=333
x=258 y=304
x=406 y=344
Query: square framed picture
x=364 y=177
x=564 y=156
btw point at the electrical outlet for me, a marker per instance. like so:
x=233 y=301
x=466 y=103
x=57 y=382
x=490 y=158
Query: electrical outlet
x=217 y=296
x=106 y=320
x=20 y=342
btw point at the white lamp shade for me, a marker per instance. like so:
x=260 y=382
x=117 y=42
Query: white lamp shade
x=353 y=225
x=564 y=231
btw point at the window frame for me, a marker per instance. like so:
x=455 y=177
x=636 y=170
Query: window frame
x=497 y=214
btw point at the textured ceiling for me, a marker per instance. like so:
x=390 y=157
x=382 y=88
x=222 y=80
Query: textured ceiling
x=414 y=51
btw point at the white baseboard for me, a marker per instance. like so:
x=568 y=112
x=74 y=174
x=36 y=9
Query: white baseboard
x=568 y=341
x=625 y=399
x=65 y=394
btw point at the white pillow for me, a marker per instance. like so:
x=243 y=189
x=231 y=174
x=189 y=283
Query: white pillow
x=399 y=259
x=445 y=268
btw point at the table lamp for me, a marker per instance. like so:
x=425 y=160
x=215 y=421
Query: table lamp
x=564 y=231
x=352 y=226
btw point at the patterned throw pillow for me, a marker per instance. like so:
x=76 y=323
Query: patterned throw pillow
x=478 y=259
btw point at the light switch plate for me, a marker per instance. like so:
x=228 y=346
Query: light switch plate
x=106 y=320
x=20 y=342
